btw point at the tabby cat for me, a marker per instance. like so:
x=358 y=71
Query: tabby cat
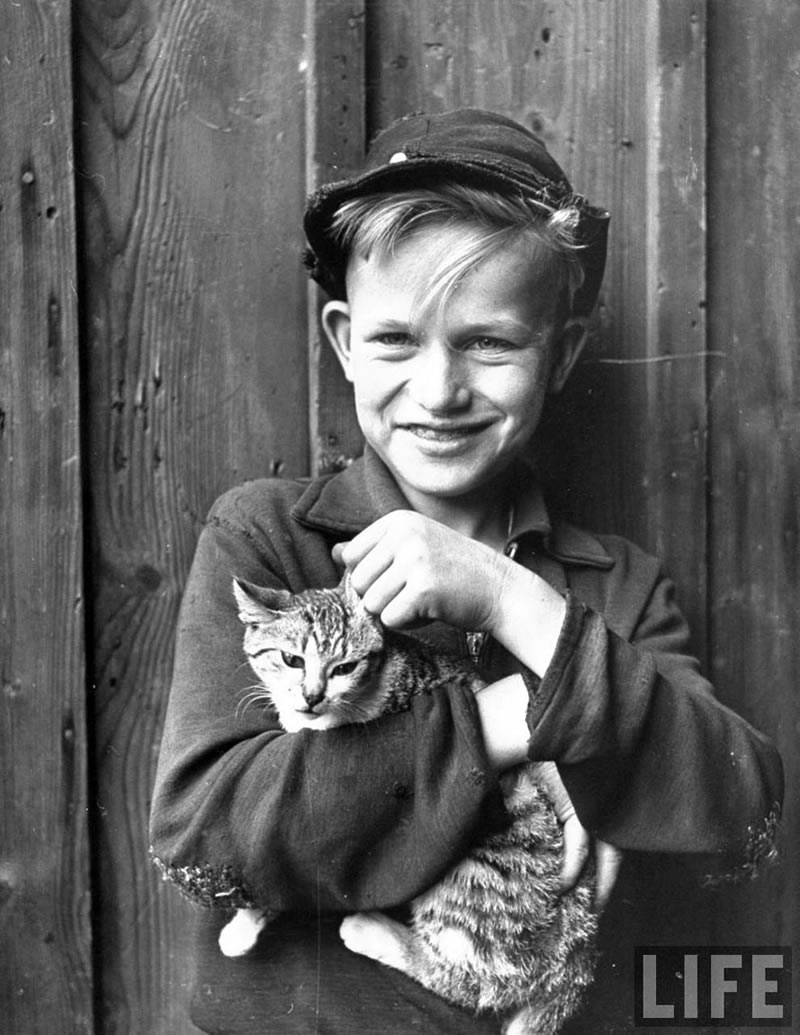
x=493 y=934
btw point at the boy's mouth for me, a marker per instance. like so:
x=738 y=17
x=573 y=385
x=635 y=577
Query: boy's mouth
x=445 y=432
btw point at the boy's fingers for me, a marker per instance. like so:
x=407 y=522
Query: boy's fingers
x=401 y=613
x=354 y=551
x=576 y=852
x=337 y=552
x=369 y=569
x=555 y=790
x=608 y=860
x=398 y=523
x=381 y=598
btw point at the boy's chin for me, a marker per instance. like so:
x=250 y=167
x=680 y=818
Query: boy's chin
x=448 y=477
x=442 y=483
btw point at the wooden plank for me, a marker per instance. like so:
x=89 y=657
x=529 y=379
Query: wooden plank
x=335 y=148
x=192 y=143
x=616 y=90
x=754 y=272
x=45 y=937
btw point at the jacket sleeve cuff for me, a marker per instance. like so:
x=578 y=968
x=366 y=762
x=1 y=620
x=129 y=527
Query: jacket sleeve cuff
x=541 y=691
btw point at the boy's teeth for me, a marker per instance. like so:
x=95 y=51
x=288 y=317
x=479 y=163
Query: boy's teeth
x=439 y=432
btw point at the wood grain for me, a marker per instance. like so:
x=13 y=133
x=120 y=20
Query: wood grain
x=199 y=127
x=336 y=145
x=191 y=148
x=754 y=272
x=45 y=897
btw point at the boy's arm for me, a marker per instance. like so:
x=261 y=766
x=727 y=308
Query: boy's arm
x=650 y=758
x=353 y=818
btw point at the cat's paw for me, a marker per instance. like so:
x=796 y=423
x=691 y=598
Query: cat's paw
x=294 y=721
x=376 y=936
x=535 y=1020
x=241 y=933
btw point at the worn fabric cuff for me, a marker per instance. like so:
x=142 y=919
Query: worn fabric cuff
x=541 y=691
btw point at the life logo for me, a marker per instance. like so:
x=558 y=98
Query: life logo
x=713 y=986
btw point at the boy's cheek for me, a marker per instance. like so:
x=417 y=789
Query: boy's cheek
x=373 y=385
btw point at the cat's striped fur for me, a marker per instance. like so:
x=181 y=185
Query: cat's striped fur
x=493 y=934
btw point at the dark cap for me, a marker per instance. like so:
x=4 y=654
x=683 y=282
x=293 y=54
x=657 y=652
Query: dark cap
x=468 y=146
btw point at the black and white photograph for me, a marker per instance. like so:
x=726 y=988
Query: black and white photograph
x=399 y=517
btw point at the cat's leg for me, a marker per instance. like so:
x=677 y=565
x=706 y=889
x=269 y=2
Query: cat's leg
x=241 y=933
x=377 y=936
x=536 y=1020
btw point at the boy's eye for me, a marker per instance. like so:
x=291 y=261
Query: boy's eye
x=344 y=668
x=292 y=660
x=394 y=338
x=489 y=346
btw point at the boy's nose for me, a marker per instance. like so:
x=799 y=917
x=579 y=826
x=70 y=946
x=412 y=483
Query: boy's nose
x=439 y=380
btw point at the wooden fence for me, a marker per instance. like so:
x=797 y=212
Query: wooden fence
x=158 y=344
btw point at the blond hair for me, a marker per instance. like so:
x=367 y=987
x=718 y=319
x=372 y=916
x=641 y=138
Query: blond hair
x=376 y=224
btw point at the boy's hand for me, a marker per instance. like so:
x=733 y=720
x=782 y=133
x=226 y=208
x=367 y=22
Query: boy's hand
x=410 y=569
x=578 y=842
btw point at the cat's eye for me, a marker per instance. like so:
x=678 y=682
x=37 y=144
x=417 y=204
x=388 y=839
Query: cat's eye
x=344 y=669
x=292 y=660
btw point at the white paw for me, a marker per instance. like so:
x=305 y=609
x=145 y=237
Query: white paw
x=294 y=721
x=457 y=947
x=241 y=933
x=533 y=1021
x=376 y=936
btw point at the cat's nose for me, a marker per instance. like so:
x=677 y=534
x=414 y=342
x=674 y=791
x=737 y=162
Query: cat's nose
x=313 y=696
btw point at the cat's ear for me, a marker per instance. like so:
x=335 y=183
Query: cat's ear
x=354 y=603
x=258 y=603
x=351 y=598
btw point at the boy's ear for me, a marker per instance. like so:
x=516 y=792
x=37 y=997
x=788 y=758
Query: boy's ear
x=336 y=324
x=566 y=351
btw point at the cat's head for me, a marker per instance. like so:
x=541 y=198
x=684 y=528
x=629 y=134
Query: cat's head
x=315 y=654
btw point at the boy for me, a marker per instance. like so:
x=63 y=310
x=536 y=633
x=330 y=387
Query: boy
x=460 y=265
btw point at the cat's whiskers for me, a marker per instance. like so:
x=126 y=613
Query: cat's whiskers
x=356 y=710
x=253 y=694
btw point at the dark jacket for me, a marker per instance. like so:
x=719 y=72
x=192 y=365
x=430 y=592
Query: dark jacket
x=366 y=817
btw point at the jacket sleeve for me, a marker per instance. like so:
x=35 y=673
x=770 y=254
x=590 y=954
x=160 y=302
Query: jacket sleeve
x=352 y=818
x=650 y=758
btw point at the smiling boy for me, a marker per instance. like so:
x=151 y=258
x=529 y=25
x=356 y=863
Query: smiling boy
x=450 y=398
x=453 y=333
x=461 y=266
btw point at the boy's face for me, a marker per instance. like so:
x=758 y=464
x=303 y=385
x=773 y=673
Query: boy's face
x=449 y=397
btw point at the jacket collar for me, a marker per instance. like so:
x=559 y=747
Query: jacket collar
x=346 y=502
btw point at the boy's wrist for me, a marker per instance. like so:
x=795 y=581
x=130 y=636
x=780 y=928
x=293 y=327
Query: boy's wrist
x=527 y=616
x=502 y=709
